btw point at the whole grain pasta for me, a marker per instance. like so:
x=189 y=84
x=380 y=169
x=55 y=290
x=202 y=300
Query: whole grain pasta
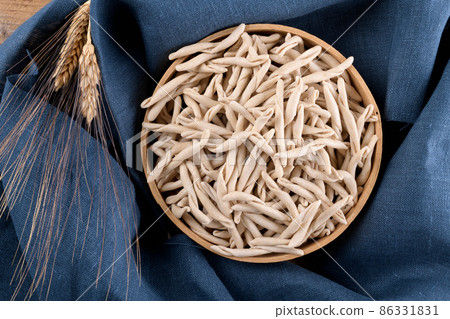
x=263 y=143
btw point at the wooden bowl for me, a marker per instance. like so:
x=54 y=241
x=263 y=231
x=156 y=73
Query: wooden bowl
x=358 y=84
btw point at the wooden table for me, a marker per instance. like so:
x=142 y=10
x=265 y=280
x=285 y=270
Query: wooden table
x=14 y=12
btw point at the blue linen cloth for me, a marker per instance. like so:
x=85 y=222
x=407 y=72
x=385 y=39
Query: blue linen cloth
x=397 y=249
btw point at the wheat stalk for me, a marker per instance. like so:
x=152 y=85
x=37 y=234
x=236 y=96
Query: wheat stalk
x=62 y=152
x=72 y=47
x=89 y=80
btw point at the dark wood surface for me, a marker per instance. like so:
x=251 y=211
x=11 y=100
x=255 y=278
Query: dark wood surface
x=15 y=12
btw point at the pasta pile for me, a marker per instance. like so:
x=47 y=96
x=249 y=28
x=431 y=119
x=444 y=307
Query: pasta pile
x=262 y=143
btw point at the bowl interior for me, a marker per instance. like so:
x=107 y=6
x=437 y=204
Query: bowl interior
x=357 y=82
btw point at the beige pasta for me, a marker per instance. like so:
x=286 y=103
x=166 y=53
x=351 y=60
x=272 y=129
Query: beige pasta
x=263 y=144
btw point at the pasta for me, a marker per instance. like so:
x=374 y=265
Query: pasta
x=263 y=143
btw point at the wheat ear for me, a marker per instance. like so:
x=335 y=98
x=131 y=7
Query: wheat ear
x=89 y=80
x=71 y=50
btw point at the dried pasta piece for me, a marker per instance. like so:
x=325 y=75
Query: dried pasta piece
x=292 y=103
x=328 y=74
x=329 y=212
x=268 y=241
x=191 y=49
x=166 y=89
x=305 y=58
x=282 y=249
x=241 y=196
x=247 y=252
x=282 y=195
x=265 y=222
x=270 y=211
x=239 y=61
x=196 y=61
x=302 y=221
x=312 y=188
x=230 y=40
x=348 y=118
x=199 y=230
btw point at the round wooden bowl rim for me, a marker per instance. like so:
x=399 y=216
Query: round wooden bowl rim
x=359 y=85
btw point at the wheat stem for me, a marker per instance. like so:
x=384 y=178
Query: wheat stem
x=71 y=50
